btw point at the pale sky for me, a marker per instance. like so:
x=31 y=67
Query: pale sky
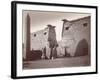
x=40 y=20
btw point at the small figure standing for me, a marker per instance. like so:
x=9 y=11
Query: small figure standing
x=44 y=53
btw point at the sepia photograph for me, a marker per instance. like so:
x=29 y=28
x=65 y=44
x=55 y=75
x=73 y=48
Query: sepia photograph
x=53 y=39
x=56 y=39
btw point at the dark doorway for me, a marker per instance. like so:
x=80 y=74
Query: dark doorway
x=82 y=48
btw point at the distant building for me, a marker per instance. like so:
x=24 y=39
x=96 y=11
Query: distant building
x=76 y=36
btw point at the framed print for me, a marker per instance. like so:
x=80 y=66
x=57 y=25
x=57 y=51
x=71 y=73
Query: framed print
x=50 y=39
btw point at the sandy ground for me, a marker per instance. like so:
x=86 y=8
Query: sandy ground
x=58 y=62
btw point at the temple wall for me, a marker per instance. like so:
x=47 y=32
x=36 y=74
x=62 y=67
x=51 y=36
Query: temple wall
x=75 y=31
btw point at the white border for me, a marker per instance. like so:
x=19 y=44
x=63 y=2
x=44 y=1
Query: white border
x=21 y=72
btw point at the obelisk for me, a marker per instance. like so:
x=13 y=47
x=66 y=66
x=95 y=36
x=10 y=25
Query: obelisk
x=27 y=36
